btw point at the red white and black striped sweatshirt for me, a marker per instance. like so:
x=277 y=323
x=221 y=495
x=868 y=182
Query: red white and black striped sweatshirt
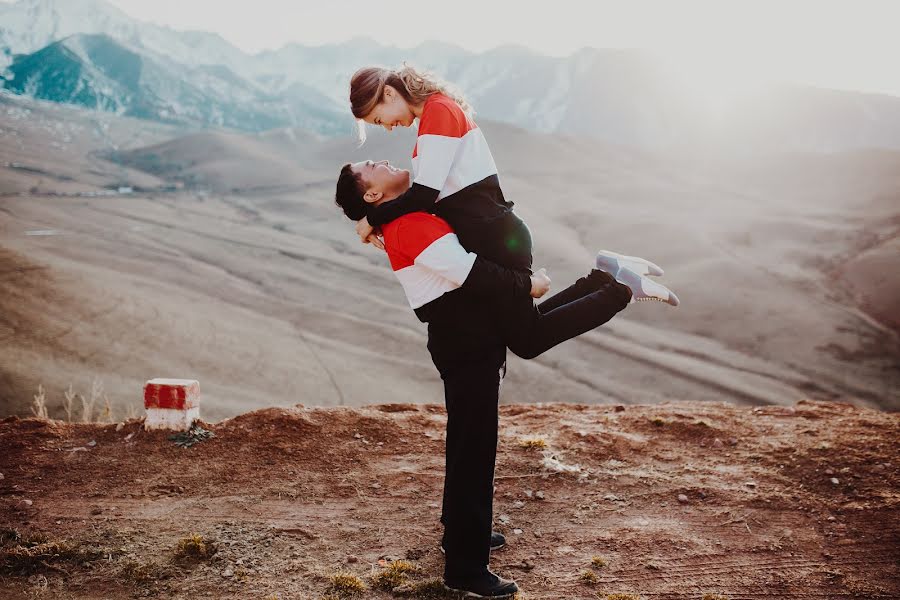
x=454 y=176
x=430 y=263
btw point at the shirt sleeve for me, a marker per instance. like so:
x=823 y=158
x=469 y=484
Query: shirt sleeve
x=439 y=138
x=447 y=257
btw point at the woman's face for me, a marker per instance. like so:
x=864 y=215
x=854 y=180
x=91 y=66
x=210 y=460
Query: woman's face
x=392 y=111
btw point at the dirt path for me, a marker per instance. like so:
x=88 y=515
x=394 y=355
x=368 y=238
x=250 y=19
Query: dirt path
x=679 y=500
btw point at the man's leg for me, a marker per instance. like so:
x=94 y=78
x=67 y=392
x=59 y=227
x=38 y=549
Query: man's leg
x=471 y=392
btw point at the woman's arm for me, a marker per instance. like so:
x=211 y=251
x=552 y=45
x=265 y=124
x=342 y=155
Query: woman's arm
x=418 y=198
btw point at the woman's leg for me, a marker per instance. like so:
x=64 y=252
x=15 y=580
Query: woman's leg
x=530 y=330
x=593 y=281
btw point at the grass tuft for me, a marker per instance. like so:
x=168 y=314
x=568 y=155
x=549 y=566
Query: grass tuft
x=195 y=547
x=589 y=576
x=394 y=575
x=533 y=443
x=598 y=561
x=347 y=584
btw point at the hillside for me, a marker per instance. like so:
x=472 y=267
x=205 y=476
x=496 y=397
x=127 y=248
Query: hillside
x=228 y=263
x=679 y=499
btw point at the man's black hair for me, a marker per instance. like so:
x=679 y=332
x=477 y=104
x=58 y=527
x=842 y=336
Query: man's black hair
x=349 y=194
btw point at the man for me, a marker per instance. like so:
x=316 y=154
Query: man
x=460 y=296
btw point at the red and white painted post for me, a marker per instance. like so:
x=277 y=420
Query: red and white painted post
x=171 y=403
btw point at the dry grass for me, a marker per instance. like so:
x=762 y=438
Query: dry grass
x=589 y=577
x=38 y=554
x=428 y=589
x=533 y=443
x=146 y=573
x=97 y=399
x=346 y=584
x=598 y=561
x=394 y=575
x=195 y=547
x=39 y=406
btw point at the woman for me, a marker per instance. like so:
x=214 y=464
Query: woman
x=455 y=177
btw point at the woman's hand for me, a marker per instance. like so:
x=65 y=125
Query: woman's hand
x=540 y=283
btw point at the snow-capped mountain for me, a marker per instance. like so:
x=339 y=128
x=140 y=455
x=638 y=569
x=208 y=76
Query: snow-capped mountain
x=620 y=96
x=29 y=25
x=98 y=72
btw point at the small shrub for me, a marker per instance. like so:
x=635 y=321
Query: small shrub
x=714 y=597
x=598 y=561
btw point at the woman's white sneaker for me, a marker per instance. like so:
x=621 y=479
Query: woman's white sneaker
x=611 y=261
x=645 y=289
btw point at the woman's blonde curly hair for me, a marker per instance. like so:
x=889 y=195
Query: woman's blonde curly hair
x=415 y=85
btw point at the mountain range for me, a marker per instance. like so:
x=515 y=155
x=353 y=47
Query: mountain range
x=90 y=53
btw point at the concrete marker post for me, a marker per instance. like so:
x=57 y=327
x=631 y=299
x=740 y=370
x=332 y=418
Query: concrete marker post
x=171 y=403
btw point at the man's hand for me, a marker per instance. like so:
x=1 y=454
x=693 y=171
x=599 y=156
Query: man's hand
x=367 y=234
x=540 y=283
x=374 y=240
x=364 y=230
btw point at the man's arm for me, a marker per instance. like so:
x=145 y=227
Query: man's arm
x=446 y=257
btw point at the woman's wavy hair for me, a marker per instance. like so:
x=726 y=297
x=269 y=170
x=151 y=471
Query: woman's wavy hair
x=415 y=85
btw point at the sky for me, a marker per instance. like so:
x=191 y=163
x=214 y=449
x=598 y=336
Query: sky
x=830 y=43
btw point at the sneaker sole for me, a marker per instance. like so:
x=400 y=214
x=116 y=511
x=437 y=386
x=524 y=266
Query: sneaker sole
x=640 y=265
x=468 y=594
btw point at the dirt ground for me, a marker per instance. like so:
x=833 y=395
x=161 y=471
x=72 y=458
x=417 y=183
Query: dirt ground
x=677 y=500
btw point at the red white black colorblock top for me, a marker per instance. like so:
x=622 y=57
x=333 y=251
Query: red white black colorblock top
x=426 y=257
x=451 y=152
x=429 y=261
x=455 y=177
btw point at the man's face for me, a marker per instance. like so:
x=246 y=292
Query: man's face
x=380 y=177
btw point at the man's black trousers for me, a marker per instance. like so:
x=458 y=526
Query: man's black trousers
x=468 y=347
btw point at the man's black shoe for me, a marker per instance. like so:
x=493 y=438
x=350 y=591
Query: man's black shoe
x=485 y=585
x=497 y=541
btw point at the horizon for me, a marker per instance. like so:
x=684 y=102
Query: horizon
x=845 y=46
